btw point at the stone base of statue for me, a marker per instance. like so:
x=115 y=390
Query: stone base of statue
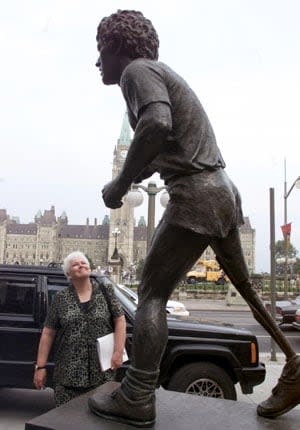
x=175 y=411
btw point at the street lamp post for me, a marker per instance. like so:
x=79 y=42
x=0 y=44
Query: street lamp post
x=115 y=260
x=115 y=234
x=135 y=198
x=272 y=261
x=286 y=236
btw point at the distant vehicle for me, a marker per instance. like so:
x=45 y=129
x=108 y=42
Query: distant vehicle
x=206 y=271
x=173 y=307
x=296 y=323
x=285 y=310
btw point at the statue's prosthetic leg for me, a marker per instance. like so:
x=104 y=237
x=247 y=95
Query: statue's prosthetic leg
x=286 y=394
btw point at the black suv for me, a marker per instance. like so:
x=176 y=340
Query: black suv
x=203 y=359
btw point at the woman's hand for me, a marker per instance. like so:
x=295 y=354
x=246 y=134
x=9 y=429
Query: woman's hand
x=46 y=341
x=116 y=360
x=119 y=339
x=40 y=378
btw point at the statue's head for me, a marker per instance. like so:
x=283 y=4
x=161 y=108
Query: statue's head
x=129 y=33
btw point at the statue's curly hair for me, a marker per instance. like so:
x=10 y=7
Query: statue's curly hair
x=131 y=32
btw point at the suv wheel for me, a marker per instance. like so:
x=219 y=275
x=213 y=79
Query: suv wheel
x=203 y=379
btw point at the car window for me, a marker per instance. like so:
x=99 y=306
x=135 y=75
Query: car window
x=126 y=302
x=55 y=284
x=17 y=297
x=51 y=292
x=131 y=295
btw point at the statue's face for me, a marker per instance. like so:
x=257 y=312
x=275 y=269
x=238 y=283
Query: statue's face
x=109 y=65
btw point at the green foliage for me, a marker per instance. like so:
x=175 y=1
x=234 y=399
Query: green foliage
x=92 y=265
x=280 y=253
x=139 y=269
x=203 y=287
x=280 y=249
x=297 y=266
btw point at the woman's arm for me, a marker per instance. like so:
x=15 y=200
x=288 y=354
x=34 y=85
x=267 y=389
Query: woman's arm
x=46 y=342
x=119 y=342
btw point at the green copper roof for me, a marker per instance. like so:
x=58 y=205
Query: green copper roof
x=105 y=220
x=125 y=136
x=142 y=222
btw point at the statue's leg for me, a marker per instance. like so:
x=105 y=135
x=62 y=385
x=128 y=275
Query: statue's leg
x=172 y=253
x=286 y=394
x=230 y=256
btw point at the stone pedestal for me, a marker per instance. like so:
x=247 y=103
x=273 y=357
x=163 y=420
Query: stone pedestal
x=115 y=267
x=175 y=411
x=233 y=297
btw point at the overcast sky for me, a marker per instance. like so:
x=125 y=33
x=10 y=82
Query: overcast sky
x=59 y=123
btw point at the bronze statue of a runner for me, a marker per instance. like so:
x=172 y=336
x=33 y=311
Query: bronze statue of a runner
x=173 y=136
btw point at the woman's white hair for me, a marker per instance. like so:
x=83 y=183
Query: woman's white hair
x=69 y=258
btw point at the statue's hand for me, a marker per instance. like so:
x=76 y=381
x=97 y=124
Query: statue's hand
x=113 y=192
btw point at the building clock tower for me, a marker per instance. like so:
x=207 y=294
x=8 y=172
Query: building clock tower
x=122 y=219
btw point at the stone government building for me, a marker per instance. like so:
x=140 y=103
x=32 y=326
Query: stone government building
x=49 y=238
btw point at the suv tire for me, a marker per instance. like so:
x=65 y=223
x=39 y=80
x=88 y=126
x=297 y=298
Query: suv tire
x=203 y=379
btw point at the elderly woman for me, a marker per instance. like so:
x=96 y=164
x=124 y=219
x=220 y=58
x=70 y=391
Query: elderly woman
x=79 y=315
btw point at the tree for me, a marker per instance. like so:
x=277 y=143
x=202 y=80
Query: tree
x=280 y=249
x=92 y=265
x=297 y=266
x=280 y=253
x=139 y=269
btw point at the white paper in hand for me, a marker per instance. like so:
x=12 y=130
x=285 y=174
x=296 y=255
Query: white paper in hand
x=105 y=348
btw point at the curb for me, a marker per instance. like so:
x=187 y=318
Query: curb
x=195 y=305
x=227 y=309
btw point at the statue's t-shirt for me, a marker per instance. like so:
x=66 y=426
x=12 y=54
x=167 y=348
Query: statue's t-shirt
x=202 y=197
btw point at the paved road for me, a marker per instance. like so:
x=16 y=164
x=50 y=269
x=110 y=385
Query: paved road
x=244 y=319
